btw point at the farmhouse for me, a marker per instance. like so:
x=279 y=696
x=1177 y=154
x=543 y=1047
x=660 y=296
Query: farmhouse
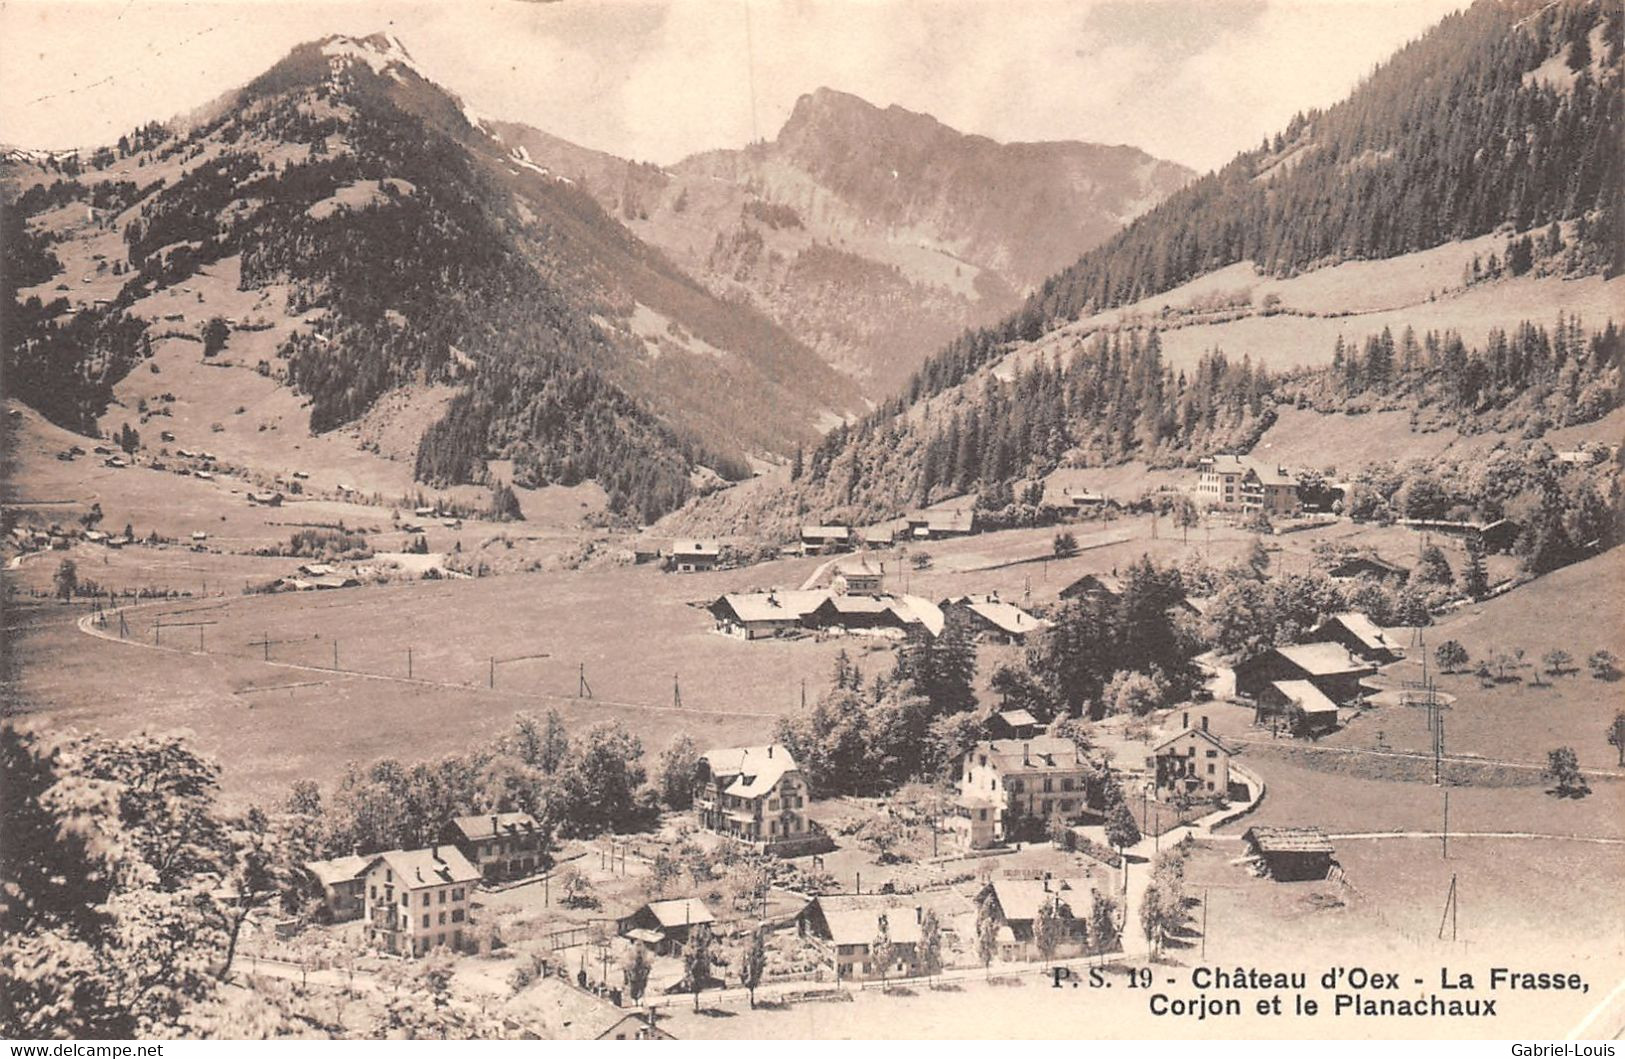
x=1360 y=635
x=1496 y=536
x=1307 y=710
x=879 y=537
x=1289 y=854
x=1012 y=724
x=664 y=926
x=989 y=618
x=823 y=540
x=755 y=794
x=418 y=899
x=845 y=928
x=552 y=1008
x=688 y=557
x=1277 y=490
x=1085 y=502
x=344 y=894
x=1353 y=567
x=1328 y=666
x=1101 y=587
x=500 y=845
x=1027 y=781
x=265 y=499
x=941 y=523
x=754 y=615
x=1194 y=764
x=1016 y=905
x=858 y=577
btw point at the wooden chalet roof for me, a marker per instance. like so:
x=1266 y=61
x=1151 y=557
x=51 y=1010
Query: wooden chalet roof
x=1288 y=840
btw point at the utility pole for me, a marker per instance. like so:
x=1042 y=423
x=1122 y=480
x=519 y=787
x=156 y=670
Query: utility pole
x=1449 y=915
x=676 y=692
x=408 y=663
x=1444 y=835
x=491 y=681
x=335 y=654
x=583 y=689
x=1204 y=922
x=157 y=624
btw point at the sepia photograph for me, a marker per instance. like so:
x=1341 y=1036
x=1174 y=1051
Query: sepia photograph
x=799 y=520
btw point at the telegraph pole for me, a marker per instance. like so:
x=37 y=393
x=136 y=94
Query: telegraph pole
x=408 y=663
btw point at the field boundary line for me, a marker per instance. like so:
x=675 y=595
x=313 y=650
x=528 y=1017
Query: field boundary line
x=1417 y=755
x=85 y=626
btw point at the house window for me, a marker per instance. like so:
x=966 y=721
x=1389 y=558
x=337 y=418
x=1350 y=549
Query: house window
x=457 y=915
x=375 y=893
x=1212 y=753
x=1066 y=784
x=442 y=919
x=440 y=939
x=425 y=899
x=1049 y=784
x=425 y=920
x=406 y=899
x=1210 y=767
x=457 y=893
x=1014 y=786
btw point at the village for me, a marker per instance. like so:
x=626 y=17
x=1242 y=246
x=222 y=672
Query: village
x=1046 y=843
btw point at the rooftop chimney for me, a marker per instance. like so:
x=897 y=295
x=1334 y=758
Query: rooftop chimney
x=435 y=852
x=493 y=823
x=770 y=750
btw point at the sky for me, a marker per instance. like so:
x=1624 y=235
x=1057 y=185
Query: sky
x=1193 y=81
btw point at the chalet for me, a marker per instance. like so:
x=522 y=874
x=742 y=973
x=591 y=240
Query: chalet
x=757 y=795
x=1290 y=854
x=1306 y=708
x=343 y=887
x=990 y=618
x=1360 y=635
x=1017 y=904
x=1017 y=785
x=318 y=569
x=553 y=1008
x=859 y=577
x=501 y=845
x=265 y=499
x=1497 y=536
x=879 y=537
x=1193 y=763
x=1353 y=567
x=1106 y=589
x=418 y=899
x=844 y=929
x=942 y=523
x=688 y=557
x=856 y=613
x=755 y=615
x=1277 y=490
x=1085 y=502
x=823 y=540
x=664 y=926
x=1328 y=666
x=426 y=511
x=1012 y=724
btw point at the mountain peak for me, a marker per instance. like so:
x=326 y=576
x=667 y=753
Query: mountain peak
x=377 y=50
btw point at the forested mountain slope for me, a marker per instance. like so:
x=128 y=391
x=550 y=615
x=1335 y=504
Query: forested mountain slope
x=408 y=247
x=1500 y=125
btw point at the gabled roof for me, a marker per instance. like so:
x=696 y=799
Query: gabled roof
x=1272 y=474
x=1226 y=463
x=1038 y=754
x=435 y=866
x=1017 y=718
x=855 y=920
x=494 y=825
x=696 y=548
x=1371 y=560
x=1021 y=899
x=839 y=533
x=337 y=869
x=1363 y=629
x=1288 y=839
x=750 y=771
x=1309 y=698
x=771 y=606
x=1005 y=616
x=1323 y=659
x=560 y=1011
x=680 y=912
x=1201 y=732
x=959 y=519
x=1091 y=583
x=921 y=610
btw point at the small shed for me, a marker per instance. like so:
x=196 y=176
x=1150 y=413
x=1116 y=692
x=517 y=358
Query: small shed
x=665 y=925
x=1290 y=854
